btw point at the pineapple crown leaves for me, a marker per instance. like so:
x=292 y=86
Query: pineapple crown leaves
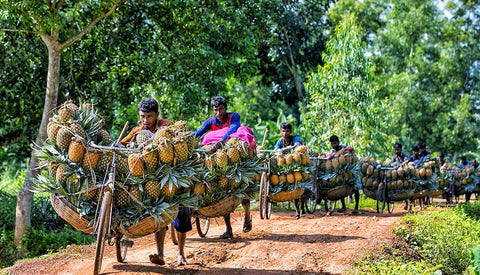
x=50 y=152
x=45 y=183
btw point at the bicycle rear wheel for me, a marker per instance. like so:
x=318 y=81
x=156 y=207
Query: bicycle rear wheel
x=262 y=196
x=311 y=203
x=103 y=221
x=202 y=224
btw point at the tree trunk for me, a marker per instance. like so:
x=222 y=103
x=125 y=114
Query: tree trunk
x=25 y=196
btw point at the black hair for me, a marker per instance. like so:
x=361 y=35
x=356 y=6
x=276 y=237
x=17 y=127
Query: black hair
x=286 y=125
x=422 y=145
x=416 y=148
x=217 y=101
x=441 y=155
x=463 y=157
x=334 y=138
x=148 y=105
x=397 y=145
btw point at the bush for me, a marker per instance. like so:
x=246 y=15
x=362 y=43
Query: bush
x=397 y=266
x=8 y=204
x=8 y=249
x=442 y=237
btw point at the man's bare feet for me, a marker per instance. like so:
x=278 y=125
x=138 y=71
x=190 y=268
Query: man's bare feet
x=157 y=259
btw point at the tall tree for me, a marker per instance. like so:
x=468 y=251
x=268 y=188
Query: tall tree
x=59 y=24
x=342 y=97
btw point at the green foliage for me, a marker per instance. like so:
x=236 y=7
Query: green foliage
x=8 y=250
x=474 y=267
x=7 y=211
x=380 y=265
x=342 y=97
x=442 y=237
x=41 y=241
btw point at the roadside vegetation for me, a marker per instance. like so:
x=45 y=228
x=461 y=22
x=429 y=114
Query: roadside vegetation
x=430 y=241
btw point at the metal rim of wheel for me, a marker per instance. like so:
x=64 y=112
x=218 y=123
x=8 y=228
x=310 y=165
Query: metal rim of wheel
x=331 y=206
x=390 y=206
x=261 y=195
x=202 y=224
x=102 y=230
x=311 y=204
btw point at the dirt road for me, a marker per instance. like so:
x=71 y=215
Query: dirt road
x=282 y=245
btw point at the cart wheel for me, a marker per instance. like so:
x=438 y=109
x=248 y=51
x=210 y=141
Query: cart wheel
x=311 y=203
x=173 y=234
x=390 y=206
x=203 y=224
x=262 y=196
x=122 y=247
x=268 y=207
x=380 y=209
x=378 y=206
x=103 y=221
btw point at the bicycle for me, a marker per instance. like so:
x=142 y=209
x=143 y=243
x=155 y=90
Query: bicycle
x=382 y=193
x=103 y=220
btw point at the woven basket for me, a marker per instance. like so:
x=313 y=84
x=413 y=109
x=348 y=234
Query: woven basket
x=220 y=208
x=67 y=211
x=283 y=196
x=148 y=225
x=401 y=196
x=420 y=195
x=436 y=193
x=369 y=193
x=339 y=192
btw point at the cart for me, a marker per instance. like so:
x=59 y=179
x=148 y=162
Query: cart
x=266 y=197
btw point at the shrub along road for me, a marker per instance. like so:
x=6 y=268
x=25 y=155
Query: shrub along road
x=282 y=245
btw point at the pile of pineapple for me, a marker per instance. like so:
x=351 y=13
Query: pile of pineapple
x=148 y=181
x=290 y=171
x=230 y=171
x=339 y=170
x=402 y=179
x=464 y=179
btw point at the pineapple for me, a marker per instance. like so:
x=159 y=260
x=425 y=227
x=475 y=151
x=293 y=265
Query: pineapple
x=234 y=183
x=121 y=197
x=65 y=114
x=297 y=157
x=288 y=159
x=162 y=133
x=282 y=178
x=52 y=170
x=151 y=158
x=167 y=190
x=52 y=130
x=61 y=175
x=91 y=192
x=135 y=164
x=105 y=136
x=104 y=162
x=181 y=150
x=221 y=158
x=77 y=129
x=280 y=161
x=305 y=159
x=90 y=160
x=290 y=178
x=180 y=125
x=64 y=136
x=142 y=136
x=122 y=165
x=135 y=191
x=165 y=151
x=76 y=149
x=152 y=188
x=242 y=148
x=233 y=154
x=210 y=162
x=274 y=180
x=223 y=181
x=199 y=189
x=298 y=176
x=302 y=149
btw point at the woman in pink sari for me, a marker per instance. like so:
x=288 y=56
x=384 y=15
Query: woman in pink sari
x=217 y=130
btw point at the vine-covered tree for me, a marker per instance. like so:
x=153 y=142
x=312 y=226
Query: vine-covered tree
x=59 y=24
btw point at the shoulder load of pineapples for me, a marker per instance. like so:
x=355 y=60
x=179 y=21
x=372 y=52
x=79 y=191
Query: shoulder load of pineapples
x=464 y=179
x=230 y=171
x=338 y=170
x=290 y=171
x=146 y=184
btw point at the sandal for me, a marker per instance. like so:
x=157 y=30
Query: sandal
x=297 y=217
x=226 y=235
x=157 y=259
x=181 y=260
x=247 y=226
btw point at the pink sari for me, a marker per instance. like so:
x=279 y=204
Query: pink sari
x=244 y=133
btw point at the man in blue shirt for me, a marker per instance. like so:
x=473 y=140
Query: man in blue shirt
x=287 y=140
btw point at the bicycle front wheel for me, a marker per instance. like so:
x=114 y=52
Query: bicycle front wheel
x=202 y=224
x=103 y=221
